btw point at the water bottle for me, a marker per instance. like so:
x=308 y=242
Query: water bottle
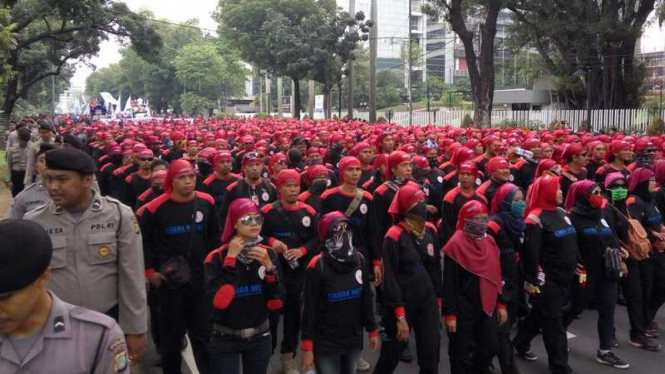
x=293 y=264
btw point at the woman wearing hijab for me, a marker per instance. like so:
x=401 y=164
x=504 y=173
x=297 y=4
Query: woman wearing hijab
x=243 y=280
x=412 y=283
x=549 y=258
x=472 y=288
x=638 y=285
x=596 y=241
x=338 y=302
x=506 y=226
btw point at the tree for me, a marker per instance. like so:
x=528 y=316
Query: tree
x=389 y=87
x=480 y=62
x=201 y=68
x=293 y=38
x=590 y=39
x=51 y=33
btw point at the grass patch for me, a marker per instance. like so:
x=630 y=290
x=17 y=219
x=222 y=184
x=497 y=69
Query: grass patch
x=3 y=164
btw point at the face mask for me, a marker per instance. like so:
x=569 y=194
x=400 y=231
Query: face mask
x=340 y=245
x=517 y=209
x=476 y=227
x=318 y=186
x=415 y=219
x=433 y=163
x=419 y=174
x=619 y=193
x=596 y=201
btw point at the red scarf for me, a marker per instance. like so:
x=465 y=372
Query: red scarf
x=481 y=258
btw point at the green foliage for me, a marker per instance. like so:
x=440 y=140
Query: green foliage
x=598 y=41
x=50 y=34
x=389 y=88
x=193 y=104
x=261 y=116
x=657 y=127
x=7 y=43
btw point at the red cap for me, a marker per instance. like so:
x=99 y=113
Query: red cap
x=158 y=174
x=237 y=209
x=286 y=176
x=497 y=163
x=468 y=168
x=176 y=169
x=358 y=148
x=469 y=210
x=421 y=162
x=396 y=158
x=251 y=157
x=345 y=163
x=223 y=156
x=572 y=150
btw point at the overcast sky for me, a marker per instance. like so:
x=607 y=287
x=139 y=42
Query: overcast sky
x=183 y=10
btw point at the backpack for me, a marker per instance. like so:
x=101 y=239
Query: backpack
x=638 y=245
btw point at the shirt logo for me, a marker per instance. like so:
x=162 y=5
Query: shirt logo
x=199 y=216
x=604 y=222
x=104 y=251
x=359 y=276
x=262 y=272
x=58 y=324
x=430 y=249
x=511 y=178
x=306 y=221
x=440 y=179
x=265 y=196
x=567 y=220
x=363 y=208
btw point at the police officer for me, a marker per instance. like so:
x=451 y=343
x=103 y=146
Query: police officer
x=46 y=135
x=39 y=333
x=34 y=195
x=98 y=256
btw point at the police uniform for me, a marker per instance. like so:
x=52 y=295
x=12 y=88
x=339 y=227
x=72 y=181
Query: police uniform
x=98 y=260
x=73 y=340
x=32 y=159
x=30 y=198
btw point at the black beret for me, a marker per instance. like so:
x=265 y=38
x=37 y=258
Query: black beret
x=72 y=140
x=43 y=125
x=70 y=159
x=25 y=253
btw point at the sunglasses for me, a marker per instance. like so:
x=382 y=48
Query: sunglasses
x=597 y=192
x=340 y=228
x=281 y=162
x=146 y=158
x=250 y=220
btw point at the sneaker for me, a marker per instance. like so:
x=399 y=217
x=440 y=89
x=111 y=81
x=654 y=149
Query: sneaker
x=406 y=355
x=645 y=343
x=612 y=360
x=528 y=355
x=362 y=365
x=652 y=330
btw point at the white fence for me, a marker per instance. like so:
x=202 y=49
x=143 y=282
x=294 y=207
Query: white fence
x=626 y=120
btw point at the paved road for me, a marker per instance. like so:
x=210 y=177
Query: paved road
x=582 y=351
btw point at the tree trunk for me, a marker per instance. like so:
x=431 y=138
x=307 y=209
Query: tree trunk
x=296 y=98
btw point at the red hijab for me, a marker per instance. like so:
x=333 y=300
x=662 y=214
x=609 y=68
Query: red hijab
x=479 y=257
x=542 y=194
x=576 y=191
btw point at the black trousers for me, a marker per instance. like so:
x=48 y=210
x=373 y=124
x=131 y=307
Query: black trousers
x=184 y=310
x=505 y=352
x=547 y=315
x=155 y=315
x=637 y=288
x=604 y=291
x=658 y=292
x=292 y=314
x=228 y=352
x=425 y=321
x=17 y=182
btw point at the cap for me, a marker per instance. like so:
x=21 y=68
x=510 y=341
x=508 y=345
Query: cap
x=72 y=140
x=25 y=253
x=71 y=159
x=286 y=176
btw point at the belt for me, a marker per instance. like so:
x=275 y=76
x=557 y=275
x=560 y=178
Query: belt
x=241 y=333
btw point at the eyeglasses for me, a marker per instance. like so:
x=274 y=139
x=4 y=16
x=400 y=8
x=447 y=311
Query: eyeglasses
x=340 y=228
x=146 y=158
x=597 y=192
x=281 y=162
x=249 y=220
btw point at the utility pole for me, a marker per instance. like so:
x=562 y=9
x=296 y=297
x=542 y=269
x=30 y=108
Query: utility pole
x=410 y=63
x=349 y=92
x=373 y=34
x=268 y=95
x=280 y=96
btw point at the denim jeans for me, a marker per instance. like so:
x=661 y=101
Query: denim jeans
x=336 y=363
x=226 y=353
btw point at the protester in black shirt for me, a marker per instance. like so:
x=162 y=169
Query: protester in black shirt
x=290 y=229
x=243 y=278
x=457 y=197
x=472 y=288
x=507 y=228
x=179 y=229
x=317 y=179
x=499 y=173
x=549 y=261
x=596 y=241
x=412 y=283
x=216 y=184
x=338 y=301
x=139 y=181
x=638 y=286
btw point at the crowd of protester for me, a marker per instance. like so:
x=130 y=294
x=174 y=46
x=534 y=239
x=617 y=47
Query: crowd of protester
x=224 y=230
